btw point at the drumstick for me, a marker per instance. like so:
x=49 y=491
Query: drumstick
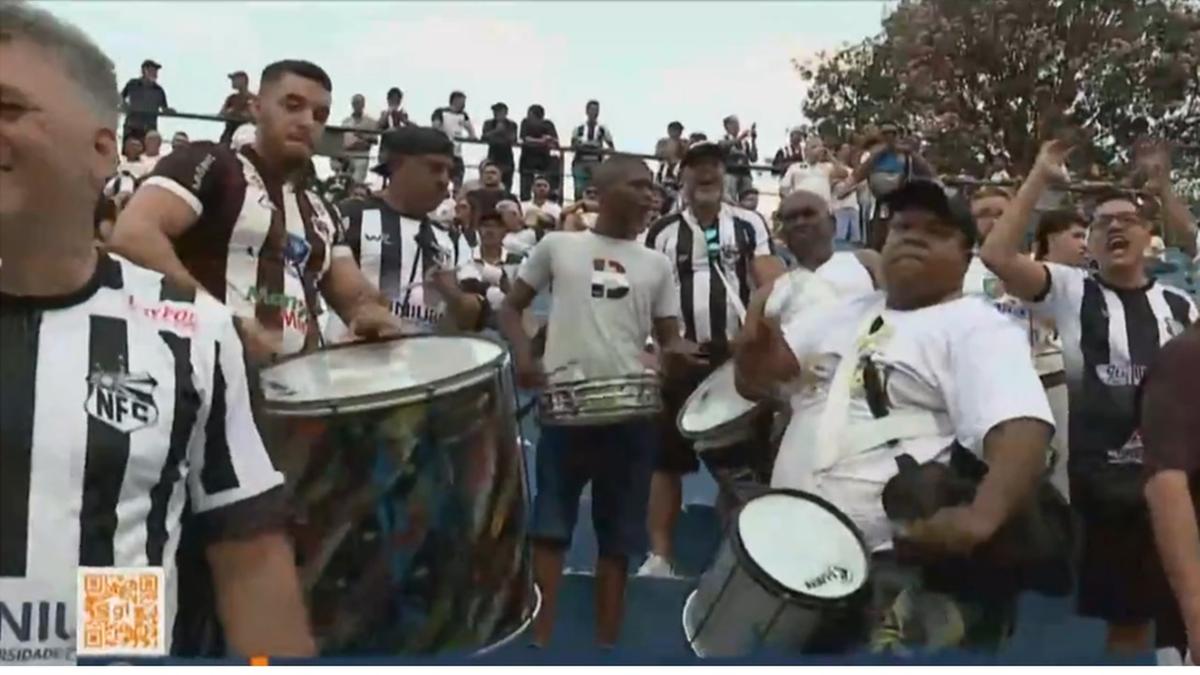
x=734 y=301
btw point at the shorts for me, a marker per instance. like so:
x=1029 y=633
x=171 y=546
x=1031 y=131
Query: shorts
x=1121 y=580
x=618 y=460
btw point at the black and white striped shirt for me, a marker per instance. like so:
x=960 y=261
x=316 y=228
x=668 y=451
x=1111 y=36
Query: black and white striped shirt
x=1110 y=336
x=734 y=241
x=590 y=135
x=121 y=403
x=395 y=252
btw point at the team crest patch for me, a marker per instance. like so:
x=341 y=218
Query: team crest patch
x=123 y=401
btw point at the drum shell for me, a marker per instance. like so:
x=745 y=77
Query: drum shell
x=409 y=519
x=737 y=609
x=600 y=401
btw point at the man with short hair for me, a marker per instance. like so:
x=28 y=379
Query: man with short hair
x=711 y=243
x=501 y=134
x=789 y=154
x=588 y=141
x=491 y=190
x=610 y=294
x=152 y=144
x=454 y=121
x=133 y=163
x=244 y=226
x=741 y=150
x=394 y=115
x=670 y=151
x=748 y=198
x=141 y=101
x=896 y=376
x=236 y=107
x=539 y=138
x=124 y=394
x=422 y=269
x=540 y=206
x=179 y=141
x=1112 y=323
x=1061 y=238
x=358 y=145
x=889 y=164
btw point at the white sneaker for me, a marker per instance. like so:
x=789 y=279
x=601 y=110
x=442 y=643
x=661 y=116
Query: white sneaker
x=657 y=566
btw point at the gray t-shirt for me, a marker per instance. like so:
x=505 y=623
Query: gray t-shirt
x=606 y=294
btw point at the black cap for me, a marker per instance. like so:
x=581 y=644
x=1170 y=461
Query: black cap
x=151 y=63
x=932 y=196
x=499 y=106
x=702 y=150
x=238 y=73
x=413 y=140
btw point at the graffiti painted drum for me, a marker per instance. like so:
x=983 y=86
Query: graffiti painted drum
x=409 y=494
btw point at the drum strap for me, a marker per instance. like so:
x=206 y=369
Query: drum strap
x=832 y=424
x=898 y=426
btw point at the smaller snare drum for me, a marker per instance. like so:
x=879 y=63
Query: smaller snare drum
x=715 y=416
x=791 y=577
x=600 y=401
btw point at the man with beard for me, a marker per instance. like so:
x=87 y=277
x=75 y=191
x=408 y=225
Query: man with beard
x=416 y=263
x=245 y=227
x=709 y=235
x=124 y=394
x=911 y=353
x=599 y=324
x=1111 y=323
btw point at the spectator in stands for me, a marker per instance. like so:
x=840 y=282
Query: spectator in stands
x=454 y=121
x=358 y=145
x=142 y=99
x=670 y=151
x=179 y=141
x=741 y=150
x=893 y=160
x=510 y=215
x=588 y=140
x=789 y=154
x=696 y=137
x=748 y=198
x=582 y=214
x=394 y=116
x=491 y=190
x=500 y=134
x=1061 y=238
x=845 y=204
x=152 y=146
x=237 y=104
x=541 y=205
x=538 y=138
x=132 y=161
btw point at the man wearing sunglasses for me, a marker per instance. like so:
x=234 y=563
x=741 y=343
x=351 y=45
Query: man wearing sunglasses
x=1112 y=322
x=915 y=372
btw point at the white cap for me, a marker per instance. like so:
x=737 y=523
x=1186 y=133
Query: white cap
x=815 y=182
x=243 y=136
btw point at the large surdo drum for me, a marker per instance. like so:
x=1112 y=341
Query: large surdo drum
x=409 y=494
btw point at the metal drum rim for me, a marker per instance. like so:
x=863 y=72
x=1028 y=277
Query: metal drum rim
x=518 y=631
x=768 y=582
x=388 y=399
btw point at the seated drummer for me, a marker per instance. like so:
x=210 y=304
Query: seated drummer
x=610 y=292
x=921 y=352
x=423 y=270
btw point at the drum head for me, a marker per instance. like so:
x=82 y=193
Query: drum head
x=364 y=376
x=714 y=403
x=803 y=544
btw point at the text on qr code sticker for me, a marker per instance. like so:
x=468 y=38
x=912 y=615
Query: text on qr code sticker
x=120 y=611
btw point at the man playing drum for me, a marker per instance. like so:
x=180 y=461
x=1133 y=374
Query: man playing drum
x=706 y=237
x=899 y=373
x=610 y=293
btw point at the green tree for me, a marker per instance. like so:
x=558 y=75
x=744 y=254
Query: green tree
x=981 y=79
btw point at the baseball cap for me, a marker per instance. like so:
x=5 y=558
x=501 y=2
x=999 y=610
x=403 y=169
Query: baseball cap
x=151 y=63
x=932 y=196
x=412 y=141
x=702 y=150
x=238 y=73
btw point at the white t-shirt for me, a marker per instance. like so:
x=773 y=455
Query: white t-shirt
x=138 y=169
x=844 y=275
x=981 y=281
x=454 y=125
x=798 y=172
x=607 y=293
x=959 y=360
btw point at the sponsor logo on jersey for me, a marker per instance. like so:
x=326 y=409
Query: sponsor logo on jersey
x=35 y=630
x=1120 y=374
x=122 y=400
x=177 y=317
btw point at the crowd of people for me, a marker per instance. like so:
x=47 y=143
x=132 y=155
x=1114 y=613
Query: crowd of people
x=920 y=338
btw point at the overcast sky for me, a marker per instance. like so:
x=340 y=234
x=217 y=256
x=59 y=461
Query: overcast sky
x=647 y=62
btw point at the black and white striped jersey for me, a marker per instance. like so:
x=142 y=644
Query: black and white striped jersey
x=396 y=251
x=118 y=404
x=733 y=242
x=1110 y=336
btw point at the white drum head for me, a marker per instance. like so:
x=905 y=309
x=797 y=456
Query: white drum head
x=715 y=402
x=417 y=364
x=803 y=546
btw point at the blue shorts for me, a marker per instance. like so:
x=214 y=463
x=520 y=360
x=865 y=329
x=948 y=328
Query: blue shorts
x=618 y=460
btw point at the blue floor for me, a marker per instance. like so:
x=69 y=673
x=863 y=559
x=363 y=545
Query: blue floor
x=1048 y=632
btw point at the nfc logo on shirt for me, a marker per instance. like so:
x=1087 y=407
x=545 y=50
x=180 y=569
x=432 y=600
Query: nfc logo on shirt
x=608 y=279
x=122 y=401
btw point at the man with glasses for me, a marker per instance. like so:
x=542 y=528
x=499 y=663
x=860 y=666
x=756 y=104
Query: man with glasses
x=914 y=374
x=707 y=236
x=1112 y=322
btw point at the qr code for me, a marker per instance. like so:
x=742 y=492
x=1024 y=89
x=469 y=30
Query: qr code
x=120 y=611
